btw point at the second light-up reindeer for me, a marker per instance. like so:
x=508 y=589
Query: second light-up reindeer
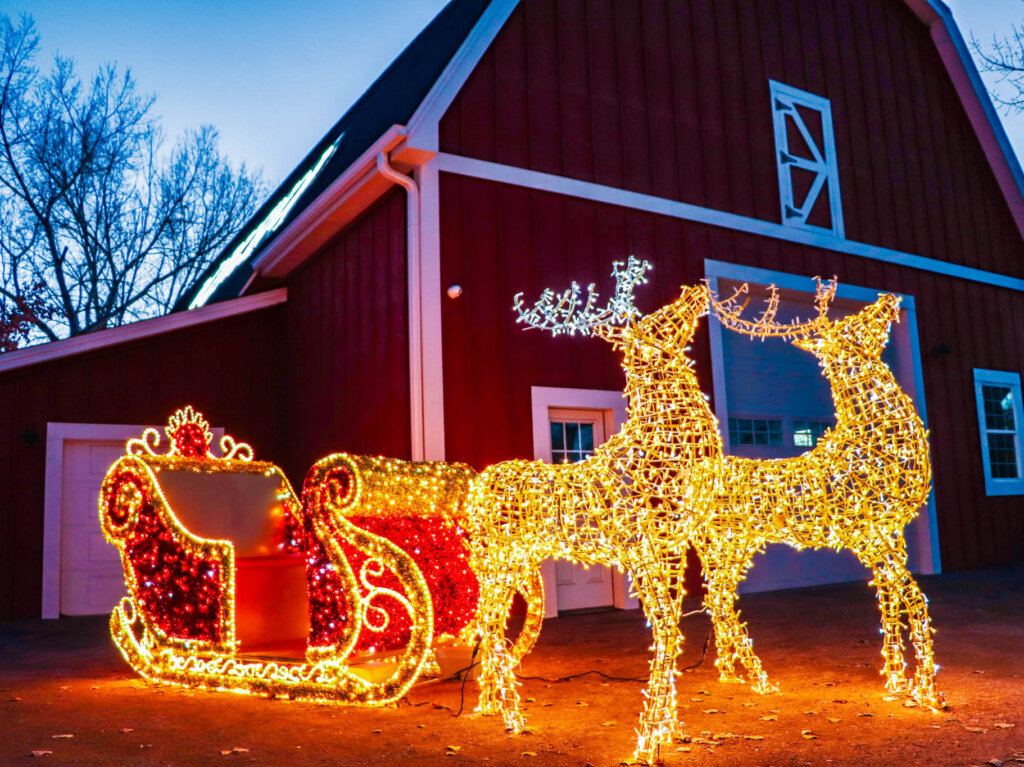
x=857 y=489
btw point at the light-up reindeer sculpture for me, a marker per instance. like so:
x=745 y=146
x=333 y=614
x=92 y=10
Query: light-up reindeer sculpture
x=856 y=489
x=630 y=506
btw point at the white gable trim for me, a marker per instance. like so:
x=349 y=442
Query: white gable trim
x=506 y=174
x=928 y=552
x=423 y=125
x=143 y=329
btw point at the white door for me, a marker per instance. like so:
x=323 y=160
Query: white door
x=574 y=436
x=91 y=579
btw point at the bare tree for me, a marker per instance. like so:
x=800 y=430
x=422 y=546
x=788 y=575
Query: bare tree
x=1004 y=57
x=99 y=224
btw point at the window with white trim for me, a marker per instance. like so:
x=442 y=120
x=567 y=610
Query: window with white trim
x=805 y=153
x=998 y=395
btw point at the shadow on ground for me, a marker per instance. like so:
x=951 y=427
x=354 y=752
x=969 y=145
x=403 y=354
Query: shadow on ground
x=821 y=646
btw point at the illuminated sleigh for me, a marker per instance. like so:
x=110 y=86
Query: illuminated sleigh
x=233 y=584
x=217 y=580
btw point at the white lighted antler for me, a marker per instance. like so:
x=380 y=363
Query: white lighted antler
x=729 y=311
x=563 y=314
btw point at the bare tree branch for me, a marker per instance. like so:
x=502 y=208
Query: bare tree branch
x=100 y=224
x=1004 y=57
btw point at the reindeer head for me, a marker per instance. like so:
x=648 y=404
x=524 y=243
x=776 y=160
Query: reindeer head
x=864 y=334
x=659 y=338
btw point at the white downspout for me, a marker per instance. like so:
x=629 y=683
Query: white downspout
x=415 y=278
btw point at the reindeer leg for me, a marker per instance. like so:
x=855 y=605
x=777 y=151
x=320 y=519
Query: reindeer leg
x=724 y=571
x=903 y=587
x=658 y=722
x=890 y=603
x=498 y=694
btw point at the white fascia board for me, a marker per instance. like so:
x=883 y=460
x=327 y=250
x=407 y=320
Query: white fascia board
x=977 y=103
x=292 y=246
x=506 y=174
x=423 y=125
x=101 y=339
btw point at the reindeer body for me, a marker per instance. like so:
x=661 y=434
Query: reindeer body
x=631 y=506
x=856 y=489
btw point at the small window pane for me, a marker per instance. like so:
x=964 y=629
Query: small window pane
x=587 y=436
x=574 y=457
x=755 y=431
x=998 y=402
x=1002 y=456
x=572 y=436
x=557 y=436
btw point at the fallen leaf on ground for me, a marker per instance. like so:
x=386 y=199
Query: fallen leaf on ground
x=454 y=748
x=421 y=726
x=684 y=749
x=808 y=735
x=582 y=703
x=864 y=713
x=977 y=672
x=975 y=729
x=712 y=711
x=812 y=712
x=724 y=735
x=1004 y=725
x=609 y=723
x=531 y=700
x=834 y=719
x=376 y=732
x=548 y=704
x=749 y=703
x=62 y=736
x=529 y=753
x=696 y=700
x=891 y=697
x=910 y=704
x=753 y=737
x=235 y=750
x=127 y=729
x=770 y=718
x=995 y=762
x=41 y=753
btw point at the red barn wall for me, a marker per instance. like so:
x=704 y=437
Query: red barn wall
x=498 y=240
x=230 y=370
x=347 y=333
x=670 y=98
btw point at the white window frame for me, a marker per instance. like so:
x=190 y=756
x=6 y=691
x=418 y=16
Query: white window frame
x=784 y=100
x=994 y=486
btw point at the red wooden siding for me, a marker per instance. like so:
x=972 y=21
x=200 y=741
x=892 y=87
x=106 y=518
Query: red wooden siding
x=348 y=343
x=230 y=370
x=498 y=240
x=670 y=98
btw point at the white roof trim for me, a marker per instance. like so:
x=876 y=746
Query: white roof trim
x=281 y=256
x=137 y=330
x=976 y=102
x=423 y=125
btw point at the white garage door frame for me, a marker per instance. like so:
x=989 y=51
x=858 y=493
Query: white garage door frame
x=57 y=433
x=928 y=557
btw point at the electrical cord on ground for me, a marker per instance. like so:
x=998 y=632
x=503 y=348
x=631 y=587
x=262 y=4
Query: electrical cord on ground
x=462 y=688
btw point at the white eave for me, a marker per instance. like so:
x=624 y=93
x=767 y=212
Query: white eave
x=101 y=339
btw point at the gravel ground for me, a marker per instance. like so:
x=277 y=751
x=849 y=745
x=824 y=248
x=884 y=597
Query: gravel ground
x=65 y=690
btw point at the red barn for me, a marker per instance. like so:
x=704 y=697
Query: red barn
x=521 y=144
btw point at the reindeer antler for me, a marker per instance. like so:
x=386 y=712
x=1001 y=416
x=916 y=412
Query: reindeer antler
x=562 y=314
x=729 y=311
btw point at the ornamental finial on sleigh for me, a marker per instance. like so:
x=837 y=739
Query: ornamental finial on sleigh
x=190 y=437
x=564 y=314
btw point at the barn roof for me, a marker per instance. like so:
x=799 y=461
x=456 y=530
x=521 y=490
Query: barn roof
x=395 y=96
x=391 y=100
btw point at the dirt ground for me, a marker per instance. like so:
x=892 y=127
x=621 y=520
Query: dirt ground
x=64 y=689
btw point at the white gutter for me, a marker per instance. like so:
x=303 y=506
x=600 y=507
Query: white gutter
x=415 y=276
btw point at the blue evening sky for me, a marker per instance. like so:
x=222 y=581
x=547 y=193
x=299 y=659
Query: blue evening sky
x=274 y=76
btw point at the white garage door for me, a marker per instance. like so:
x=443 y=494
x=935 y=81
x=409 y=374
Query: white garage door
x=91 y=581
x=778 y=402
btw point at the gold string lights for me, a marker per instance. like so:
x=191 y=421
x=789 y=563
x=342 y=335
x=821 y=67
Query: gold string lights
x=633 y=505
x=866 y=478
